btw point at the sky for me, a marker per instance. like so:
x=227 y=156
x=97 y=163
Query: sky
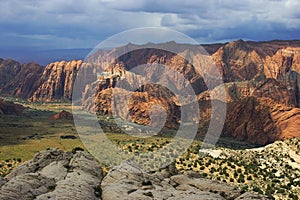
x=65 y=24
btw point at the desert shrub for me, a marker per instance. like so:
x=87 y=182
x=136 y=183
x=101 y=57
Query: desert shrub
x=98 y=191
x=223 y=194
x=146 y=183
x=212 y=170
x=74 y=150
x=51 y=187
x=195 y=164
x=281 y=190
x=293 y=196
x=235 y=174
x=256 y=189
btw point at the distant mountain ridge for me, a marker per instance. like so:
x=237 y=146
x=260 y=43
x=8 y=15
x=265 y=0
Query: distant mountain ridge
x=44 y=57
x=259 y=76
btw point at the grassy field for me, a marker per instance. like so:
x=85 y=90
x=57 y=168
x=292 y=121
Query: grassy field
x=23 y=136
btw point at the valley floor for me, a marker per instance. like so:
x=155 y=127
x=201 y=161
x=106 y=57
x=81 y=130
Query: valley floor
x=272 y=170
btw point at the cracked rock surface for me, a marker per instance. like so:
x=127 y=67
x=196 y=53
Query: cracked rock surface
x=54 y=174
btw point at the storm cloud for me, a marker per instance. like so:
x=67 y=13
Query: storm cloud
x=60 y=24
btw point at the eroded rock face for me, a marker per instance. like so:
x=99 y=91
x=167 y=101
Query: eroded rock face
x=238 y=61
x=19 y=80
x=275 y=90
x=56 y=81
x=284 y=66
x=281 y=62
x=137 y=106
x=261 y=121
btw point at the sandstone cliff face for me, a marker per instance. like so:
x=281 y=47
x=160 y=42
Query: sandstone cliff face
x=281 y=62
x=56 y=81
x=137 y=106
x=238 y=61
x=19 y=80
x=259 y=106
x=9 y=69
x=261 y=121
x=234 y=91
x=275 y=90
x=284 y=66
x=158 y=60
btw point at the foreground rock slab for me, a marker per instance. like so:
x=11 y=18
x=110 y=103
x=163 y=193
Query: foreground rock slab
x=76 y=175
x=128 y=181
x=54 y=174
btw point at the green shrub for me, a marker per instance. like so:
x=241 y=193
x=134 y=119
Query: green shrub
x=223 y=194
x=51 y=187
x=146 y=183
x=98 y=191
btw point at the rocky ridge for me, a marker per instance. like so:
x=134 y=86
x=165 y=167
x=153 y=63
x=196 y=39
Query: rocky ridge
x=264 y=72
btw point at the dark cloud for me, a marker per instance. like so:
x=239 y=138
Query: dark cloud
x=76 y=24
